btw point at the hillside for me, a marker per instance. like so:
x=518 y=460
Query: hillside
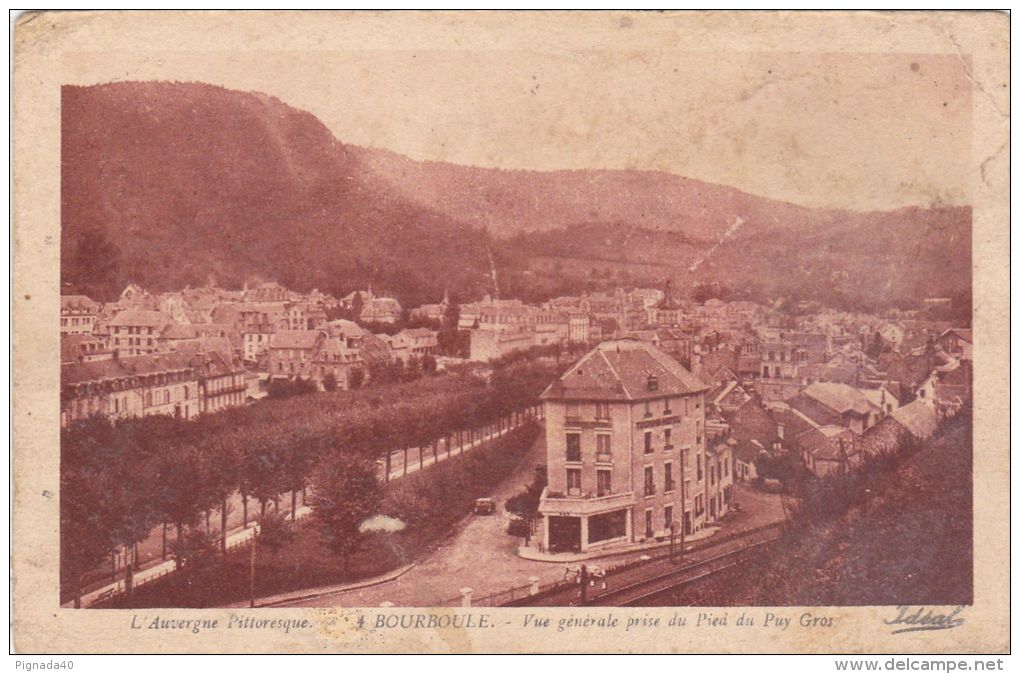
x=908 y=541
x=869 y=262
x=169 y=183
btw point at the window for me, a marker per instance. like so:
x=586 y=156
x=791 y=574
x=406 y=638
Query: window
x=669 y=486
x=604 y=482
x=601 y=410
x=607 y=525
x=711 y=475
x=148 y=399
x=665 y=409
x=648 y=408
x=648 y=442
x=603 y=448
x=166 y=396
x=649 y=481
x=573 y=446
x=726 y=468
x=667 y=436
x=699 y=467
x=185 y=392
x=574 y=481
x=667 y=517
x=648 y=524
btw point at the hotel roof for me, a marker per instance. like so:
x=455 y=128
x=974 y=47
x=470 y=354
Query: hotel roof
x=624 y=369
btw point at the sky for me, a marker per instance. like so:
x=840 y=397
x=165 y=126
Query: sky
x=860 y=131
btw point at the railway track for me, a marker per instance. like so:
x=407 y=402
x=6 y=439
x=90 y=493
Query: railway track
x=635 y=583
x=646 y=588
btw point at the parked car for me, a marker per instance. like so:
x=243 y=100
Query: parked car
x=485 y=506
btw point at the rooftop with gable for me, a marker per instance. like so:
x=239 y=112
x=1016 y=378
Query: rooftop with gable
x=622 y=370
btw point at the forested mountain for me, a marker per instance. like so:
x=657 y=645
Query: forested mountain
x=167 y=184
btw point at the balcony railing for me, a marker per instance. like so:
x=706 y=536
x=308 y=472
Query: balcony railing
x=603 y=457
x=583 y=504
x=596 y=422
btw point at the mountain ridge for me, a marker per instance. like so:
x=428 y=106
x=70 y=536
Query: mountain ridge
x=168 y=183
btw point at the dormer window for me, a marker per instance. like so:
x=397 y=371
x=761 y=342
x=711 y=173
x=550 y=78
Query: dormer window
x=653 y=383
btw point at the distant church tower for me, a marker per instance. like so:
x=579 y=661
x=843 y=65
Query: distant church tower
x=668 y=298
x=495 y=278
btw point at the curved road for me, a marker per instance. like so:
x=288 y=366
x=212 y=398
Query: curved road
x=481 y=555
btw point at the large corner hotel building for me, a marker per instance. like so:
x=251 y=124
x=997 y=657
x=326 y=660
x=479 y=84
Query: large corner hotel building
x=625 y=437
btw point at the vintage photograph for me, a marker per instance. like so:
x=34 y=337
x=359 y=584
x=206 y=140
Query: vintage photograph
x=575 y=327
x=297 y=371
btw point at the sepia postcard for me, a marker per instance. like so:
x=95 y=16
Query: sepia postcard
x=511 y=332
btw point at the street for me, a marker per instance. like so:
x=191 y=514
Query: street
x=482 y=556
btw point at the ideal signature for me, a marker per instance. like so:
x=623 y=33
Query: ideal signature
x=921 y=618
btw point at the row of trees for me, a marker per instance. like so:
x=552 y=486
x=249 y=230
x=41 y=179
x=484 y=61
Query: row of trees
x=120 y=481
x=389 y=371
x=358 y=527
